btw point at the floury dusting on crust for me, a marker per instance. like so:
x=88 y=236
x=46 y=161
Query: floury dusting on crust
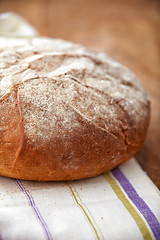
x=56 y=81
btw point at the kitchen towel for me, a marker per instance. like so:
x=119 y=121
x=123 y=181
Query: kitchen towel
x=121 y=204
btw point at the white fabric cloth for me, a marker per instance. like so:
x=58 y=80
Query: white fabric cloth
x=122 y=204
x=82 y=210
x=11 y=24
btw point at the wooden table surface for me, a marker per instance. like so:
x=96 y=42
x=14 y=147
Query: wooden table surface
x=128 y=30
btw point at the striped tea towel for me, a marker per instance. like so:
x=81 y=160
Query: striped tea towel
x=120 y=205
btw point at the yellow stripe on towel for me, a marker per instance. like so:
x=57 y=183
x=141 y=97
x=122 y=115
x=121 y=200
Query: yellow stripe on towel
x=133 y=212
x=79 y=203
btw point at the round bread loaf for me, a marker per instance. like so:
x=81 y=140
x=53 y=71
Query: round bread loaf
x=66 y=112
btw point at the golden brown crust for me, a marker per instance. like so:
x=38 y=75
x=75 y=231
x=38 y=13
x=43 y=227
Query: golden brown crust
x=66 y=112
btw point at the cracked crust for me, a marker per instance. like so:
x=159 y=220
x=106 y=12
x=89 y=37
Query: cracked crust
x=66 y=112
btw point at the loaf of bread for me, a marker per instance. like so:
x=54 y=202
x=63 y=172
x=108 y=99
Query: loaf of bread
x=66 y=112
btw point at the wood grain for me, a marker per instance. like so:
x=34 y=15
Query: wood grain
x=128 y=30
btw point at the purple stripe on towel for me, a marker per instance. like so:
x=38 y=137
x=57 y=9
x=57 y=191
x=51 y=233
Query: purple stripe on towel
x=138 y=202
x=34 y=208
